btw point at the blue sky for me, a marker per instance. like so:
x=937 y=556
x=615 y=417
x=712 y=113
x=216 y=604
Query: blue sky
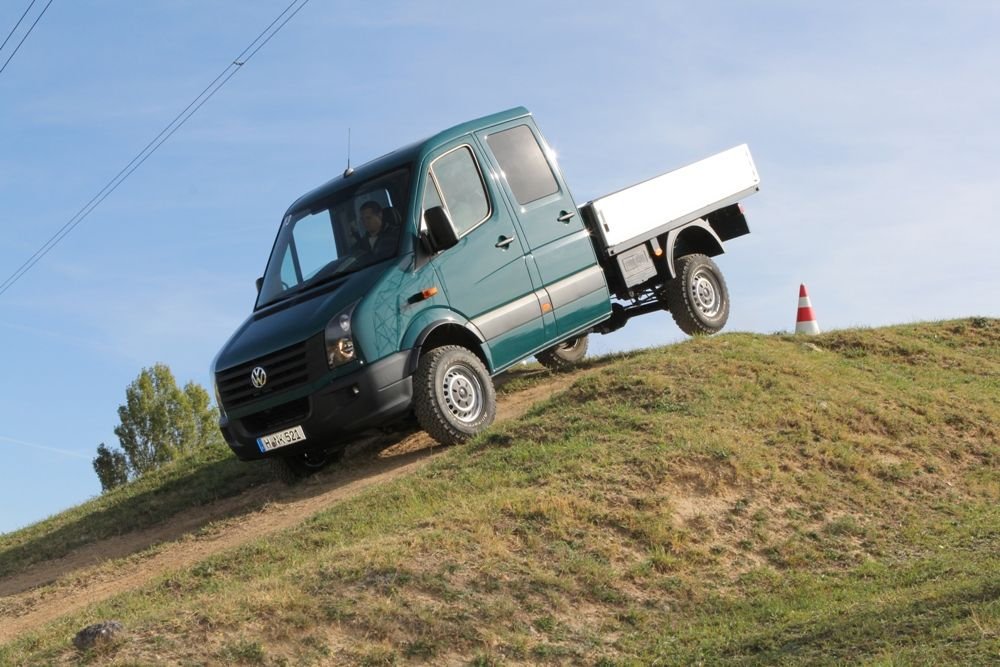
x=874 y=127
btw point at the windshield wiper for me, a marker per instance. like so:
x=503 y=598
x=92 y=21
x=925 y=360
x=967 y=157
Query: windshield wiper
x=320 y=279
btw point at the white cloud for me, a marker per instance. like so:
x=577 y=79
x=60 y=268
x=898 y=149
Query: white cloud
x=44 y=448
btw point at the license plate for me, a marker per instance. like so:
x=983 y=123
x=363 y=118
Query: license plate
x=281 y=439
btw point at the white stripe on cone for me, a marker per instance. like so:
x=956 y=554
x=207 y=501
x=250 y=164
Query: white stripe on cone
x=805 y=321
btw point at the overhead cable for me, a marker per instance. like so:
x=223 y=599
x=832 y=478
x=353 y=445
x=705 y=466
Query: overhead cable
x=16 y=25
x=18 y=47
x=179 y=120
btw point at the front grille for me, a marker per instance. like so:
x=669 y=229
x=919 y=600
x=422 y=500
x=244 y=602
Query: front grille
x=286 y=414
x=286 y=369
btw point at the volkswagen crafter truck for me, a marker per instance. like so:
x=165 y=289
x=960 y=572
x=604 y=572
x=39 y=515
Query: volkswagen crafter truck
x=404 y=286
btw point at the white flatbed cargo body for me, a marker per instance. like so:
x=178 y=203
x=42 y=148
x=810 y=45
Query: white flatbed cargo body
x=649 y=209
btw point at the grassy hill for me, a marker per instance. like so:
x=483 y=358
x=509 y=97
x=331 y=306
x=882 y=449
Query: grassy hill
x=742 y=499
x=205 y=477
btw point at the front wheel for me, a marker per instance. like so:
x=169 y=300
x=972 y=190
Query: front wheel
x=697 y=297
x=565 y=355
x=453 y=394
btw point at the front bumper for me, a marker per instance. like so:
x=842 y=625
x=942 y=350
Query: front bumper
x=369 y=397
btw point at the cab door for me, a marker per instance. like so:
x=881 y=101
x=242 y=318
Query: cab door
x=556 y=239
x=485 y=276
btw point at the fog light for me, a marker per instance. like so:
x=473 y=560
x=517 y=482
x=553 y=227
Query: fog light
x=339 y=340
x=340 y=352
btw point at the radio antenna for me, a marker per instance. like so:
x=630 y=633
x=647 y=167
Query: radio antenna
x=349 y=170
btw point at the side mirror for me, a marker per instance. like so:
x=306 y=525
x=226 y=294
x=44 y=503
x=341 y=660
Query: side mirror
x=259 y=283
x=439 y=228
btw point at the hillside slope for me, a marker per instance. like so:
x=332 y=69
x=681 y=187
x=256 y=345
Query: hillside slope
x=166 y=522
x=739 y=499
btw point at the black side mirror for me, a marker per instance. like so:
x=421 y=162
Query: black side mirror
x=439 y=228
x=259 y=283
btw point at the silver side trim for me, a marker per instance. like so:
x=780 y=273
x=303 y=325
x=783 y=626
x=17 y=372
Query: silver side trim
x=501 y=320
x=530 y=307
x=576 y=286
x=544 y=302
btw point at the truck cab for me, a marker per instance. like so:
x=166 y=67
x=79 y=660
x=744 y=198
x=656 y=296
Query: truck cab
x=402 y=287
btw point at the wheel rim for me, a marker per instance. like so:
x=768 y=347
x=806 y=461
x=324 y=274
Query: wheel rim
x=463 y=394
x=705 y=293
x=568 y=344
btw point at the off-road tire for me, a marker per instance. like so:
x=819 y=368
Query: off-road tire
x=293 y=468
x=565 y=355
x=697 y=297
x=453 y=394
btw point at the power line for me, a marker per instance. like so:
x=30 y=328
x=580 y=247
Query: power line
x=140 y=157
x=179 y=120
x=14 y=29
x=18 y=47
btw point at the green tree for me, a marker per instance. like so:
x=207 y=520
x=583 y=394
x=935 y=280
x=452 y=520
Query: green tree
x=111 y=467
x=158 y=423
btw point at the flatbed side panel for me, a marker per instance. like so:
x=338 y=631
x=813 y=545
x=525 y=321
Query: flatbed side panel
x=660 y=204
x=645 y=235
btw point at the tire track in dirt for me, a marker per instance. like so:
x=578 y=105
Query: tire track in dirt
x=52 y=589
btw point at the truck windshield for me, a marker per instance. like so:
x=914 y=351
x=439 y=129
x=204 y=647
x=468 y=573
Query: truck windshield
x=355 y=228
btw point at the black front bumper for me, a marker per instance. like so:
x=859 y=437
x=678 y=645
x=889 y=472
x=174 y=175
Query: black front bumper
x=369 y=397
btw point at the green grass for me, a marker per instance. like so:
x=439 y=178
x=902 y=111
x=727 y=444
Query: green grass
x=735 y=500
x=194 y=480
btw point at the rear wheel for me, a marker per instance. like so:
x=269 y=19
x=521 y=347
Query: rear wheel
x=453 y=394
x=565 y=355
x=697 y=297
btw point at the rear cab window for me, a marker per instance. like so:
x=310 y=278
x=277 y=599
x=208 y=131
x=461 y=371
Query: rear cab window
x=523 y=163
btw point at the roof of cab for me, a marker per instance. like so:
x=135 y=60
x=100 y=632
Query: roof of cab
x=400 y=156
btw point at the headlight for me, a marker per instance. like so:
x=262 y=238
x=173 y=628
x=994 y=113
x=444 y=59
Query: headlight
x=339 y=341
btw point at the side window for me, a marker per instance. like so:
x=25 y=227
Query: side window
x=431 y=198
x=523 y=163
x=462 y=189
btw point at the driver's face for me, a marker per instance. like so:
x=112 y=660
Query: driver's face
x=372 y=221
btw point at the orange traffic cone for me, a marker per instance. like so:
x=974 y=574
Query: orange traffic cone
x=805 y=323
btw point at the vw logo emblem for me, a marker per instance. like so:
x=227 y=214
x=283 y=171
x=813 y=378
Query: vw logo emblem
x=258 y=377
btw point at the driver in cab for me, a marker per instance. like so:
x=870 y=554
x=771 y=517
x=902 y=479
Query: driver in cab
x=377 y=240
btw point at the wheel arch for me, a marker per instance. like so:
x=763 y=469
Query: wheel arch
x=694 y=237
x=447 y=328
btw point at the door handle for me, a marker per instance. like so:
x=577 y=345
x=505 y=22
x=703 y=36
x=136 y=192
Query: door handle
x=566 y=216
x=505 y=241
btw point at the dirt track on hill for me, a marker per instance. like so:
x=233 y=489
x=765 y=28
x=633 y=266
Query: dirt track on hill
x=51 y=589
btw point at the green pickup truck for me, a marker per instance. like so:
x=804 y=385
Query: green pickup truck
x=403 y=286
